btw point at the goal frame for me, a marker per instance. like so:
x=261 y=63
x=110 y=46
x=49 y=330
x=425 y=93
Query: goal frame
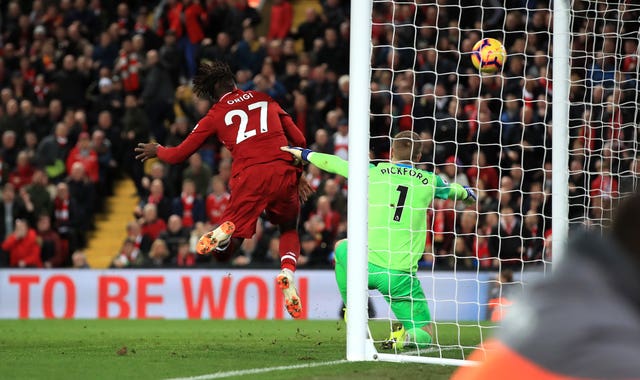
x=360 y=346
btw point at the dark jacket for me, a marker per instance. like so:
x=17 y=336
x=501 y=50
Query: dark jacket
x=158 y=87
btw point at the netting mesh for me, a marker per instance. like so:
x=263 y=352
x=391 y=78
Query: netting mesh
x=493 y=133
x=604 y=108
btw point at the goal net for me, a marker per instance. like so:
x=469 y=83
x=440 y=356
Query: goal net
x=493 y=132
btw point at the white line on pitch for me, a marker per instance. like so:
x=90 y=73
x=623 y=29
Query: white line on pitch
x=254 y=371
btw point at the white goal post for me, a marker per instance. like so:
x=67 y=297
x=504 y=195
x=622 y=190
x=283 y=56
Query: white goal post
x=359 y=346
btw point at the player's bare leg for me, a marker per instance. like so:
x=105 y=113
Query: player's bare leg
x=217 y=239
x=289 y=252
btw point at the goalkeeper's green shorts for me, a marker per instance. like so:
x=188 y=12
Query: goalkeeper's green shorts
x=401 y=290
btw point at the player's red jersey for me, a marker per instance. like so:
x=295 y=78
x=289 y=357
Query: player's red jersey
x=250 y=124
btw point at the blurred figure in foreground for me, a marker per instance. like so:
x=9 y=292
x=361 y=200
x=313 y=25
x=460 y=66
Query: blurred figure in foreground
x=581 y=322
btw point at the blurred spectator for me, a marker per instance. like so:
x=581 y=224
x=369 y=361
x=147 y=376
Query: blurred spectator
x=316 y=228
x=156 y=197
x=505 y=242
x=311 y=253
x=220 y=51
x=84 y=154
x=189 y=205
x=127 y=67
x=241 y=17
x=135 y=128
x=23 y=173
x=310 y=29
x=185 y=257
x=106 y=163
x=141 y=242
x=249 y=52
x=39 y=193
x=333 y=13
x=341 y=140
x=22 y=246
x=52 y=152
x=281 y=19
x=630 y=181
x=158 y=254
x=170 y=57
x=79 y=260
x=334 y=194
x=480 y=170
x=52 y=253
x=466 y=242
x=532 y=237
x=217 y=201
x=174 y=234
x=186 y=19
x=70 y=83
x=157 y=171
x=330 y=218
x=67 y=218
x=12 y=208
x=83 y=191
x=151 y=225
x=199 y=173
x=9 y=149
x=157 y=95
x=12 y=120
x=322 y=143
x=128 y=256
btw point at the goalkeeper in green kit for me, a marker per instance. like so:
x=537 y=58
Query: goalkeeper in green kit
x=399 y=196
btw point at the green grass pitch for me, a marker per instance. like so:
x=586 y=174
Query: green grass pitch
x=160 y=349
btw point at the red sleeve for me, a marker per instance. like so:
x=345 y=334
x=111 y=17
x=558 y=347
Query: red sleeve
x=190 y=145
x=32 y=256
x=9 y=242
x=294 y=136
x=281 y=19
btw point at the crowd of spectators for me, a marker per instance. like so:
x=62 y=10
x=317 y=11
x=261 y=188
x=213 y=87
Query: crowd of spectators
x=83 y=81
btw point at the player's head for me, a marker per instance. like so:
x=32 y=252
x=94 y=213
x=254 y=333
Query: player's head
x=213 y=80
x=406 y=147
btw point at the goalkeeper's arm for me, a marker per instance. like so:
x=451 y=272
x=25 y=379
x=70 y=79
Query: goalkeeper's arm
x=326 y=162
x=454 y=191
x=458 y=192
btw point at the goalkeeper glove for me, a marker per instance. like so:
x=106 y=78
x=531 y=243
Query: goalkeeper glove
x=471 y=195
x=298 y=152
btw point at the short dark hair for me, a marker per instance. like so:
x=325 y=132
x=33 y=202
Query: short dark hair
x=407 y=146
x=213 y=80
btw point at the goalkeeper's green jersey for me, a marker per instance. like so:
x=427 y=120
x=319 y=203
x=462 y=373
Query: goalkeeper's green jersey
x=399 y=196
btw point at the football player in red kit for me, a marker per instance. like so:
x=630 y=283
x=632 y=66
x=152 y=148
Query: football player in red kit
x=253 y=127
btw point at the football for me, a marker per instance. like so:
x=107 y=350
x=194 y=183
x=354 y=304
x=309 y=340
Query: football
x=488 y=55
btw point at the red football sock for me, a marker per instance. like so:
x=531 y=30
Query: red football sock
x=289 y=249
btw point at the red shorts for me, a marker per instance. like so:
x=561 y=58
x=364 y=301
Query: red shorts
x=268 y=187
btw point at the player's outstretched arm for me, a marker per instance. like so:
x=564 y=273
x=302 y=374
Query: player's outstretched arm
x=326 y=162
x=180 y=153
x=465 y=193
